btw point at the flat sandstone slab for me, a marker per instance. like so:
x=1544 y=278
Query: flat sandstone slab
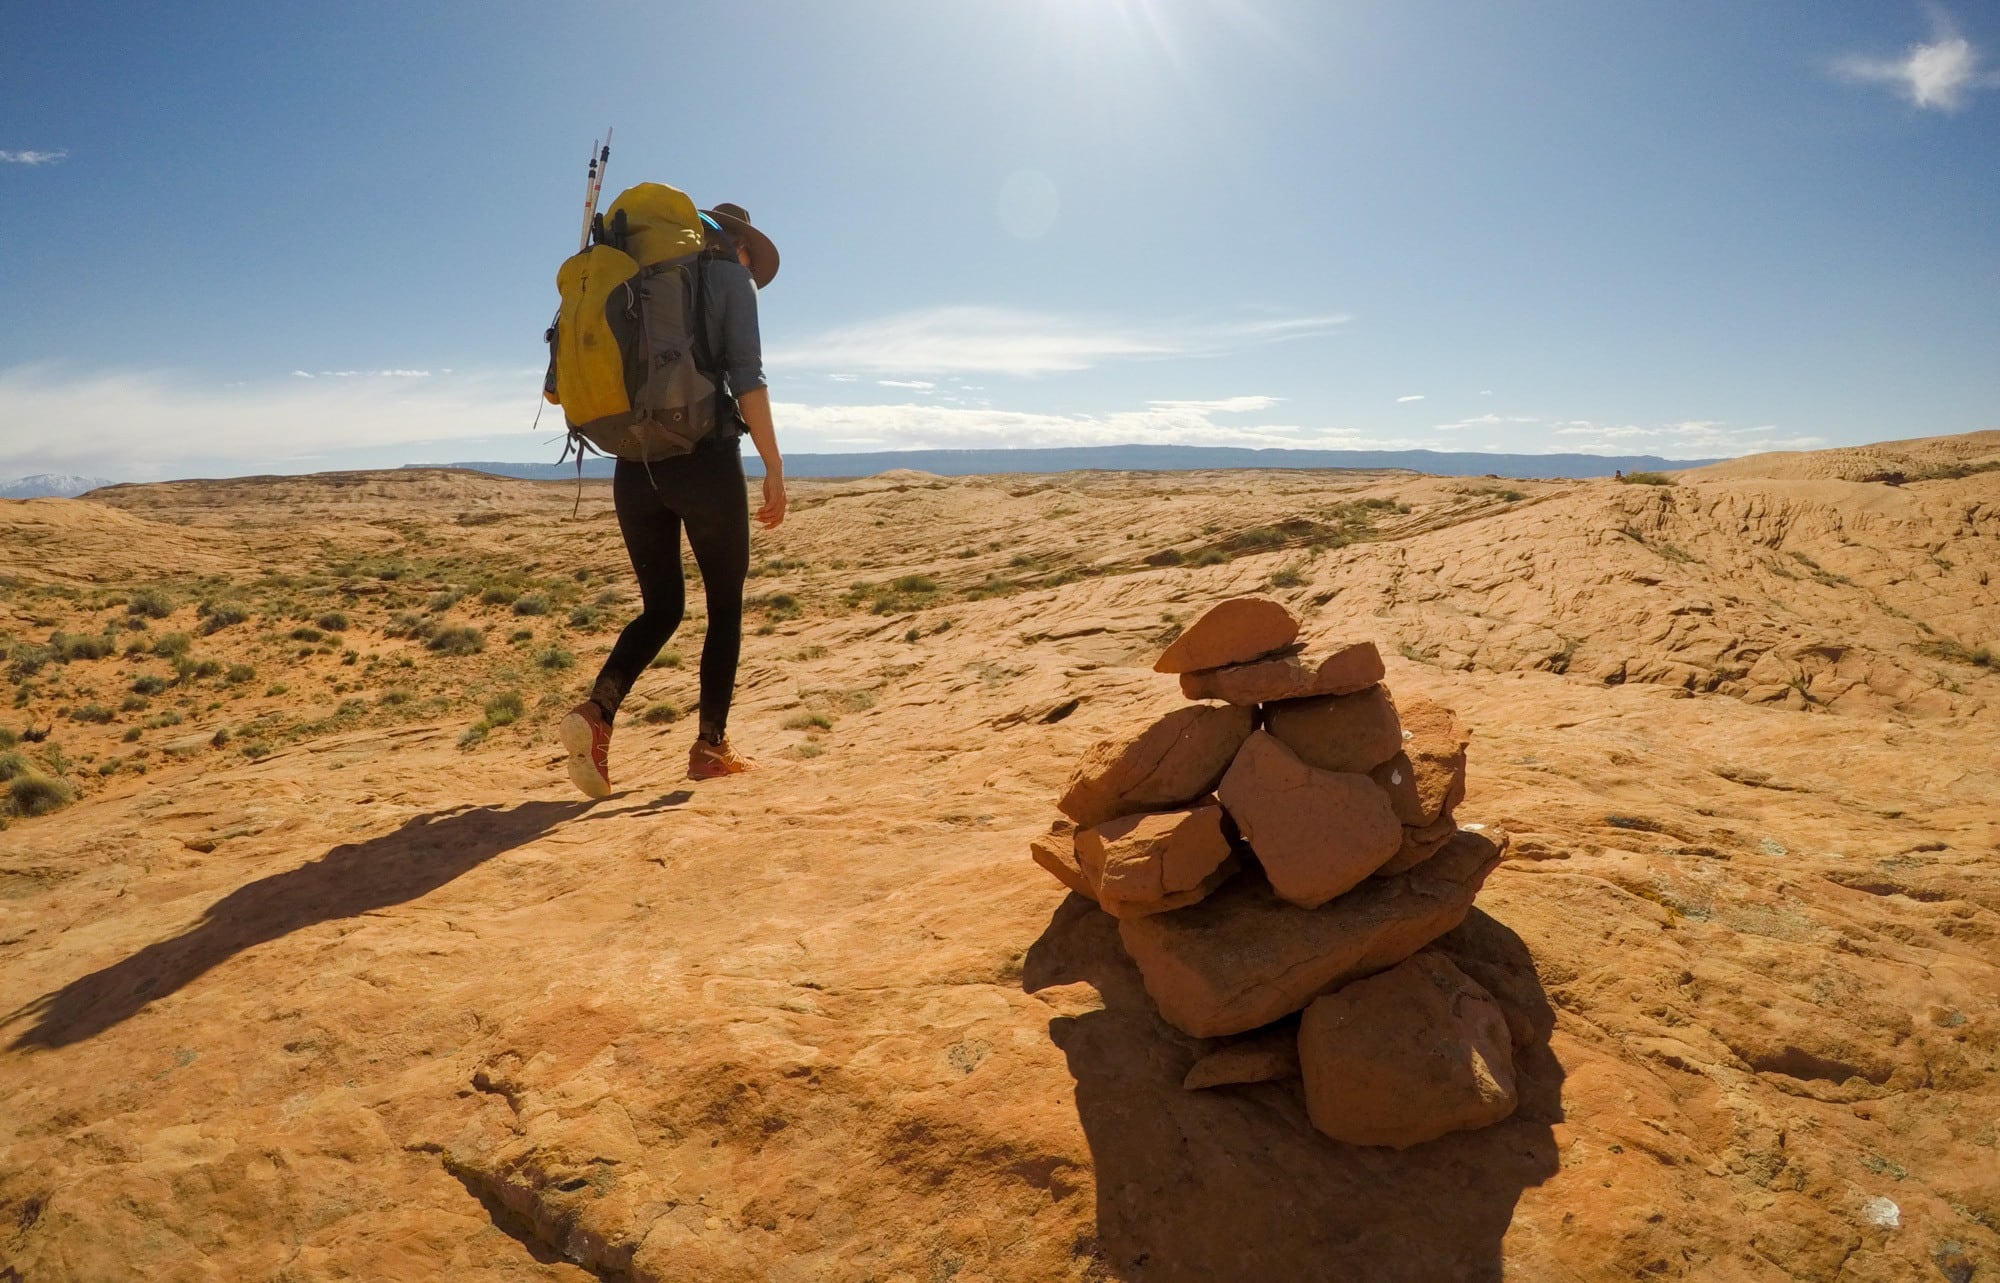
x=1177 y=759
x=1351 y=668
x=1231 y=632
x=1244 y=958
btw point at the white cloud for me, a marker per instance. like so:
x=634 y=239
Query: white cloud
x=1228 y=405
x=1486 y=421
x=33 y=157
x=919 y=427
x=1405 y=400
x=1940 y=76
x=1689 y=438
x=912 y=385
x=150 y=423
x=991 y=340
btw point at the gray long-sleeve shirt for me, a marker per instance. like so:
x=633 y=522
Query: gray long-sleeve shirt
x=734 y=343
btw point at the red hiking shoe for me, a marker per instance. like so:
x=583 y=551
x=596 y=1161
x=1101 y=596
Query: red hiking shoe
x=708 y=761
x=588 y=739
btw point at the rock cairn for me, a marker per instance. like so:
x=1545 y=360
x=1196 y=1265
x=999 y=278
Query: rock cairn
x=1290 y=849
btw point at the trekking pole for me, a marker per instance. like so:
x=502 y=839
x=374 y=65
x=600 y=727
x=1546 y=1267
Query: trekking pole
x=593 y=186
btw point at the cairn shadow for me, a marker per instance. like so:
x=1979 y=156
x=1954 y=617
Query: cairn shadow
x=422 y=855
x=1234 y=1183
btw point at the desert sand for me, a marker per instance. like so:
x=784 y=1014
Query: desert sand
x=325 y=972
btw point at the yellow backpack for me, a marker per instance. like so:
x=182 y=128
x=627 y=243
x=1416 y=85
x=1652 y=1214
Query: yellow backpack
x=628 y=353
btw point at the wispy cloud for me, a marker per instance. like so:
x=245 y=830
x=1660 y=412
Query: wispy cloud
x=1689 y=438
x=1405 y=400
x=917 y=427
x=148 y=423
x=1940 y=75
x=1486 y=421
x=989 y=340
x=362 y=374
x=914 y=385
x=33 y=157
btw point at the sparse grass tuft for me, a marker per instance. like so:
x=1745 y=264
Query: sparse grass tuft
x=33 y=794
x=332 y=621
x=660 y=714
x=96 y=714
x=533 y=603
x=809 y=722
x=555 y=658
x=457 y=640
x=1646 y=479
x=150 y=603
x=13 y=766
x=504 y=709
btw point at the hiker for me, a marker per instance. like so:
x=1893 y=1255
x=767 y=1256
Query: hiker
x=703 y=492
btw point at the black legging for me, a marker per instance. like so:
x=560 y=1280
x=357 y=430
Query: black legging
x=704 y=491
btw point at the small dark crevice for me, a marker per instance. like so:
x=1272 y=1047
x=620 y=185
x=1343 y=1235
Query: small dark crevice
x=522 y=1230
x=1061 y=710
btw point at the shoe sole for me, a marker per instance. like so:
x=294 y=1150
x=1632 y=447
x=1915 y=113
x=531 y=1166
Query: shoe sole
x=583 y=773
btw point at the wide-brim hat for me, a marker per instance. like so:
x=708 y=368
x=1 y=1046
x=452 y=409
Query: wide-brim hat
x=735 y=220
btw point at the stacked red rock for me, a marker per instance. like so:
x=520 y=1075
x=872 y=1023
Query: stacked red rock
x=1309 y=773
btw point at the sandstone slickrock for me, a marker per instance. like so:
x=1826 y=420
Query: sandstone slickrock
x=1171 y=763
x=1243 y=957
x=1355 y=732
x=1420 y=843
x=1427 y=778
x=1231 y=632
x=1406 y=1056
x=1154 y=862
x=1261 y=1057
x=1317 y=833
x=1350 y=668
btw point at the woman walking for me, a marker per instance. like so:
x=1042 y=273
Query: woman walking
x=703 y=493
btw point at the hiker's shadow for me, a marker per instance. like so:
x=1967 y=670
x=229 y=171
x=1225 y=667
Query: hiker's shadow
x=1233 y=1182
x=422 y=855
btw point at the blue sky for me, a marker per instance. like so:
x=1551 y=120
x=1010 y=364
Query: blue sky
x=281 y=238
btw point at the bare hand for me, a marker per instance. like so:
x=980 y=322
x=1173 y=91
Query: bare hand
x=772 y=514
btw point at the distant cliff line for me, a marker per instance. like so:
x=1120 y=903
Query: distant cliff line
x=1150 y=458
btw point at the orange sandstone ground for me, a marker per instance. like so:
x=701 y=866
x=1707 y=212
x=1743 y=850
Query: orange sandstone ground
x=326 y=973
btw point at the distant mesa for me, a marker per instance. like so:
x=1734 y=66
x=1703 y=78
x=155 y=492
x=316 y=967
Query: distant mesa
x=50 y=485
x=1292 y=849
x=1148 y=458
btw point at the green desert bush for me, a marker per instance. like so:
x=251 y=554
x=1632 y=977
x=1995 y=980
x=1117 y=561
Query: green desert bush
x=457 y=640
x=555 y=658
x=149 y=603
x=1646 y=479
x=238 y=674
x=504 y=708
x=306 y=633
x=255 y=749
x=12 y=766
x=533 y=603
x=583 y=617
x=332 y=621
x=74 y=646
x=498 y=595
x=33 y=794
x=8 y=738
x=170 y=645
x=666 y=659
x=660 y=714
x=217 y=616
x=149 y=684
x=97 y=714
